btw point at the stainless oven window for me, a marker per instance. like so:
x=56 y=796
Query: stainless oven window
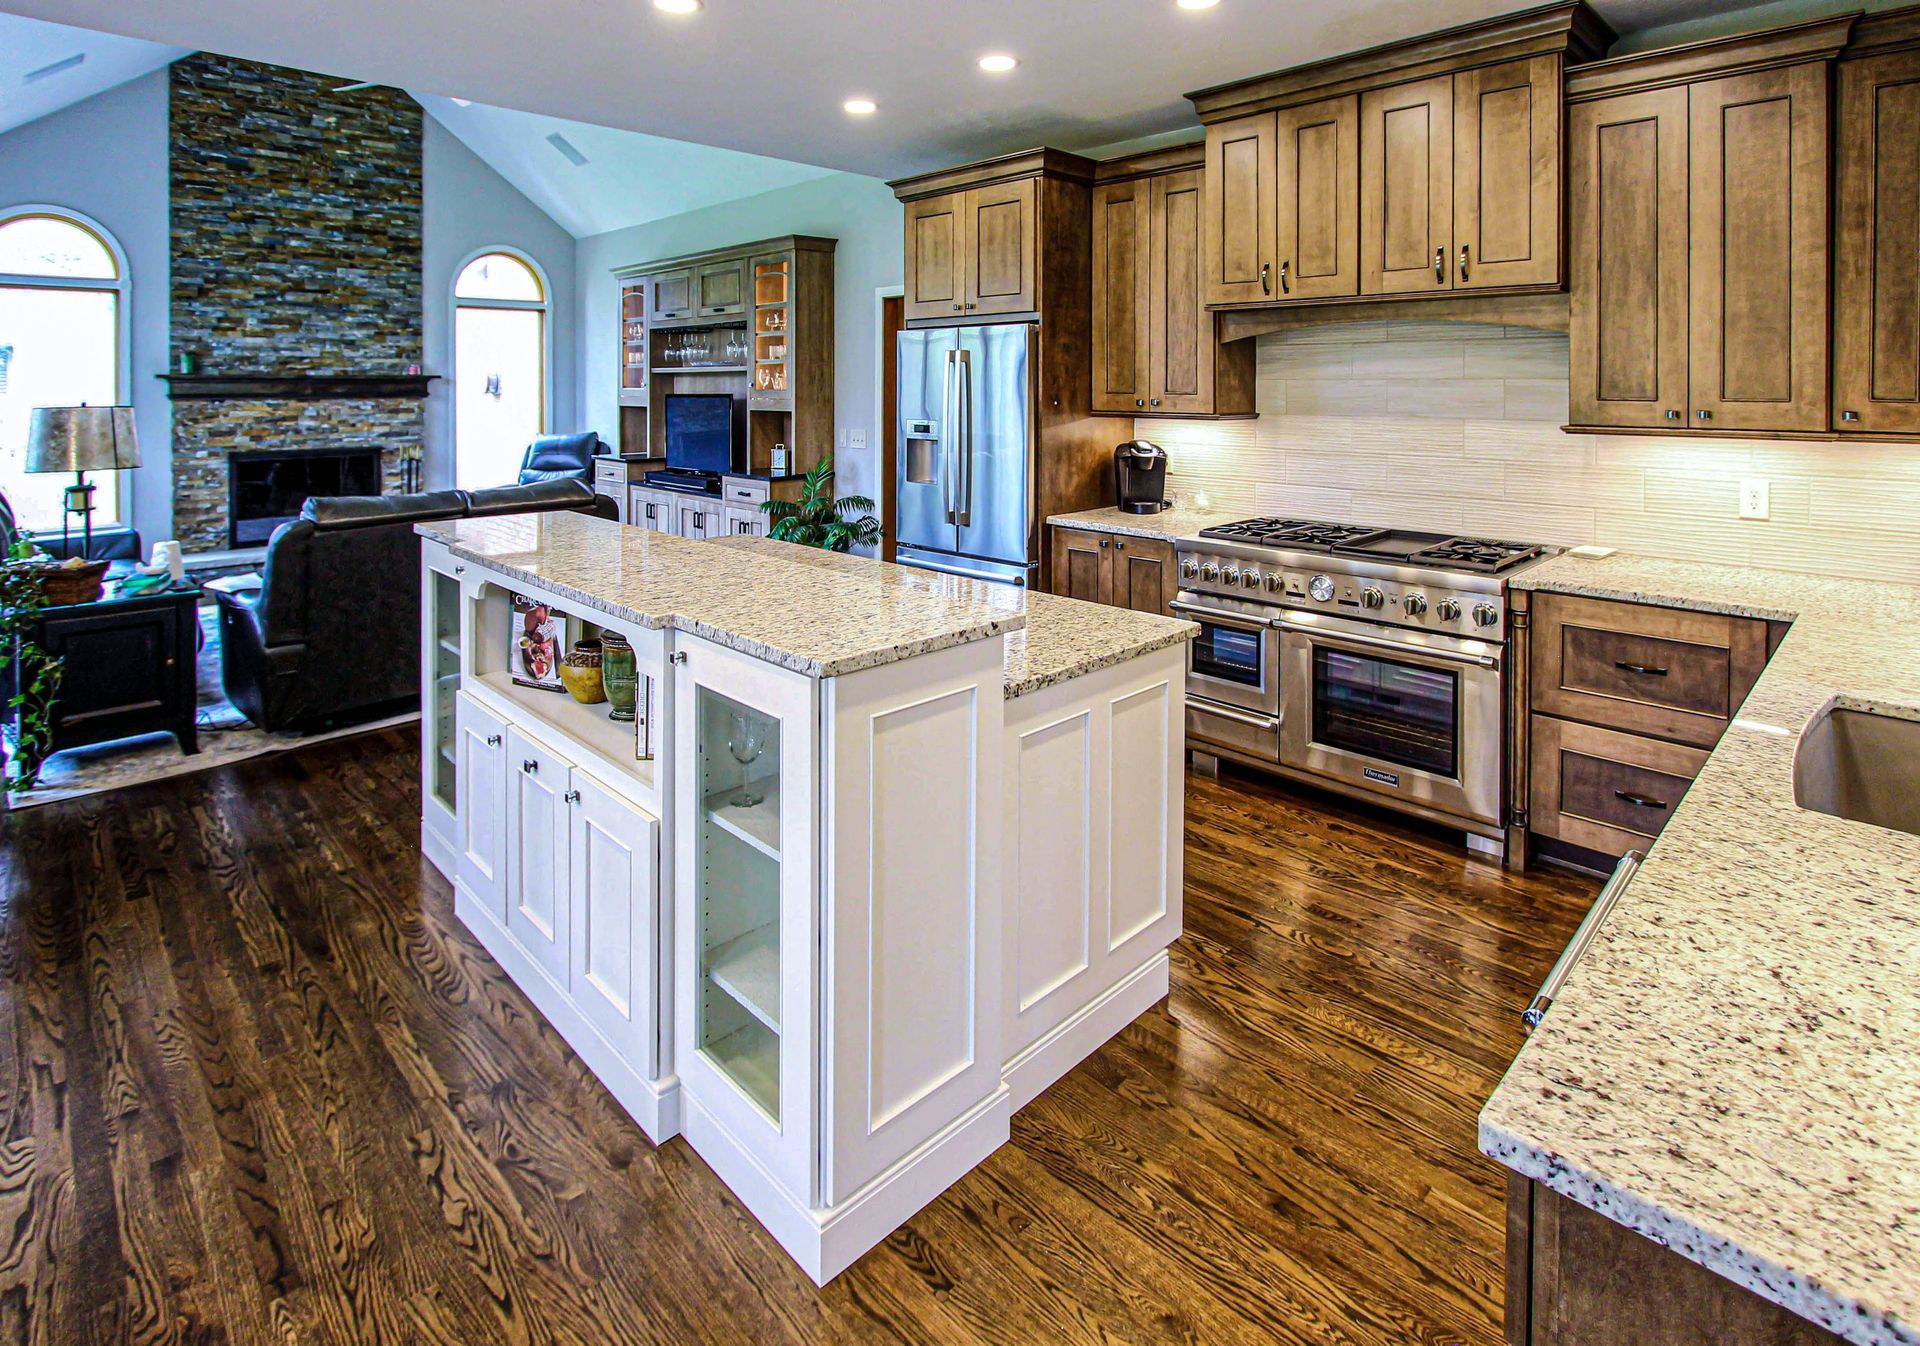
x=1230 y=654
x=1387 y=710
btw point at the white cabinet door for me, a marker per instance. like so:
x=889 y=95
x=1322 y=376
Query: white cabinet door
x=746 y=971
x=645 y=509
x=702 y=520
x=615 y=916
x=743 y=519
x=537 y=851
x=482 y=789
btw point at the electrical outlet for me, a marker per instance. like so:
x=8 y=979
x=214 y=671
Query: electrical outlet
x=1753 y=498
x=856 y=439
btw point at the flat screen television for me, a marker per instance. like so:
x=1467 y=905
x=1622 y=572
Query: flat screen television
x=700 y=432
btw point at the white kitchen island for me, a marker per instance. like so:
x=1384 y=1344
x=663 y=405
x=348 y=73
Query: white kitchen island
x=908 y=848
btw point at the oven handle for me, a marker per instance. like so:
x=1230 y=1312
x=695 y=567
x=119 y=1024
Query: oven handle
x=1205 y=707
x=1382 y=643
x=1239 y=621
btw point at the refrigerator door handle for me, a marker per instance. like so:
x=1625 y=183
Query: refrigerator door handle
x=946 y=437
x=964 y=511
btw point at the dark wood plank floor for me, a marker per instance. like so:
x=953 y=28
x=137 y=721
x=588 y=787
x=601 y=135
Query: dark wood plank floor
x=257 y=1085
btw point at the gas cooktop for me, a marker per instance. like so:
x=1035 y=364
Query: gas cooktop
x=1483 y=556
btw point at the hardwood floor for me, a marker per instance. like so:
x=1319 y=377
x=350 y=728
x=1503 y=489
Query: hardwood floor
x=257 y=1085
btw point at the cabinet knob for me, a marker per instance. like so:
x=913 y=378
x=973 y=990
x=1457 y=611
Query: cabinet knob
x=570 y=797
x=494 y=740
x=677 y=657
x=1120 y=545
x=1673 y=415
x=957 y=308
x=1139 y=401
x=1849 y=415
x=1704 y=415
x=1156 y=402
x=971 y=307
x=459 y=570
x=1103 y=542
x=531 y=767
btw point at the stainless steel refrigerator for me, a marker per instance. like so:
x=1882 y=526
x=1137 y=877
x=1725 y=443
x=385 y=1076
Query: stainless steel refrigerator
x=965 y=471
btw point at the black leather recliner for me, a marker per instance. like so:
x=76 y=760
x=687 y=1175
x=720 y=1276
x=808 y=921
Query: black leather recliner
x=556 y=457
x=329 y=633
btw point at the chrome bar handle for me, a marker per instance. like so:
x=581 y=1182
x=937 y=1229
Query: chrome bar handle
x=1440 y=266
x=1589 y=927
x=963 y=515
x=1266 y=284
x=946 y=437
x=1269 y=723
x=1463 y=262
x=1382 y=643
x=1284 y=287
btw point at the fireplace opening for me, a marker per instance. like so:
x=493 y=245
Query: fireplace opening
x=265 y=490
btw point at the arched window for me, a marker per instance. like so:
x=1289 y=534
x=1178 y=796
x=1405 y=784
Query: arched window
x=63 y=341
x=500 y=350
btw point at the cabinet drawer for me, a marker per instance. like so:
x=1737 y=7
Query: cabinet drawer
x=609 y=474
x=743 y=490
x=1603 y=789
x=1661 y=671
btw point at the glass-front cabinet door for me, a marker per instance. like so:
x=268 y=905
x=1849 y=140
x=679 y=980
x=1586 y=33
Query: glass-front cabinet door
x=747 y=970
x=444 y=663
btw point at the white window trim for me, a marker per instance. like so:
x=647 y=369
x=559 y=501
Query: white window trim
x=121 y=286
x=542 y=306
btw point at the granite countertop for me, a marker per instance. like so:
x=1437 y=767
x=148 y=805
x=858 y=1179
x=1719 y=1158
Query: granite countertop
x=1168 y=523
x=1733 y=1069
x=1063 y=639
x=810 y=619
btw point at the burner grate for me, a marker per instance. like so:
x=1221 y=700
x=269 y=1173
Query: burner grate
x=1278 y=532
x=1469 y=553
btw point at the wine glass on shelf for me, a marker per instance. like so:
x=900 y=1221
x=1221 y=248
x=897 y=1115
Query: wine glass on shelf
x=749 y=740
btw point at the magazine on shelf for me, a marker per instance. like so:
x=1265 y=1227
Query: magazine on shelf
x=538 y=638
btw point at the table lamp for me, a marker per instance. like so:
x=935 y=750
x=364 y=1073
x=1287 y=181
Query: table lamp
x=80 y=440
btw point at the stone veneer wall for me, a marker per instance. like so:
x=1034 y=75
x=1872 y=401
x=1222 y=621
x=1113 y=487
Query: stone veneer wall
x=296 y=249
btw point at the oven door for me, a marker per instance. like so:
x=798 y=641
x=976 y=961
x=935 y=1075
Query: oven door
x=1413 y=717
x=1235 y=660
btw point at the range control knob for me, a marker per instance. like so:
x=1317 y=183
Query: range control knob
x=1372 y=597
x=1250 y=577
x=1188 y=567
x=1230 y=576
x=1210 y=572
x=1485 y=614
x=1416 y=604
x=1321 y=589
x=1276 y=582
x=1448 y=610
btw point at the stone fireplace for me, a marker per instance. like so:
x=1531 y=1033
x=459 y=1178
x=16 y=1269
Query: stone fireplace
x=296 y=288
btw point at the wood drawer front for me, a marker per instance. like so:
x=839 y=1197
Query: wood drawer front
x=1603 y=789
x=1660 y=671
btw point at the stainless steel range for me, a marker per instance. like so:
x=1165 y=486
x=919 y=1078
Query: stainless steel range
x=1368 y=660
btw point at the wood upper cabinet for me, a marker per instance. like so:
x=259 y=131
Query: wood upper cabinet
x=1627 y=182
x=1506 y=174
x=1876 y=364
x=971 y=253
x=1317 y=212
x=1758 y=268
x=1180 y=330
x=1121 y=245
x=935 y=243
x=720 y=288
x=1406 y=187
x=672 y=295
x=1238 y=220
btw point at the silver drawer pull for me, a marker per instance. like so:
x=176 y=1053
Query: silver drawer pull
x=494 y=740
x=530 y=766
x=1646 y=669
x=570 y=797
x=1644 y=801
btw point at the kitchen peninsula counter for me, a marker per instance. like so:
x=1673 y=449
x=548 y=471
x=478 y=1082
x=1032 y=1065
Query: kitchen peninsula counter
x=1733 y=1068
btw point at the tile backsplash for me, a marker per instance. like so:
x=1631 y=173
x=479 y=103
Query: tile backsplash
x=1456 y=427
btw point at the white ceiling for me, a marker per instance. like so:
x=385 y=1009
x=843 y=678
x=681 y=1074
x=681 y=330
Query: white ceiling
x=768 y=76
x=27 y=45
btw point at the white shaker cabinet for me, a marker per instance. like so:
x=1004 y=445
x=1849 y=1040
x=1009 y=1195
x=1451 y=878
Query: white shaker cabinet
x=482 y=829
x=613 y=914
x=539 y=837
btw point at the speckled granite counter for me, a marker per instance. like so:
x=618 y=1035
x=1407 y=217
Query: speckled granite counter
x=1733 y=1069
x=1168 y=523
x=1063 y=638
x=807 y=618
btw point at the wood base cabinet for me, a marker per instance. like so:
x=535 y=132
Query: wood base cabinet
x=1121 y=571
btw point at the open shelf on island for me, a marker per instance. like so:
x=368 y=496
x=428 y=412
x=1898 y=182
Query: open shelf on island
x=756 y=824
x=612 y=740
x=750 y=1057
x=748 y=969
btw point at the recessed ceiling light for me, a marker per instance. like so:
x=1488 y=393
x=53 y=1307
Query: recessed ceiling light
x=47 y=71
x=861 y=107
x=677 y=6
x=997 y=64
x=1184 y=4
x=461 y=102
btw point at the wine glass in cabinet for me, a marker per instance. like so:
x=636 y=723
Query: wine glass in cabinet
x=747 y=964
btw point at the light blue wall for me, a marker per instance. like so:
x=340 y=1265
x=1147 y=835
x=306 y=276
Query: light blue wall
x=107 y=159
x=467 y=207
x=859 y=212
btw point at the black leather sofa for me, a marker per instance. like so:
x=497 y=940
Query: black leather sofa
x=329 y=633
x=553 y=457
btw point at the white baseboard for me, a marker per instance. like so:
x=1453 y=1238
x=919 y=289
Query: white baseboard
x=654 y=1105
x=439 y=852
x=1029 y=1074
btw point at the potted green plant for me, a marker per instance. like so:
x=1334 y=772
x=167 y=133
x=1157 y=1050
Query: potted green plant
x=817 y=519
x=30 y=674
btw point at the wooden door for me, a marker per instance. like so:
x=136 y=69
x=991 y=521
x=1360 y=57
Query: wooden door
x=615 y=920
x=1237 y=220
x=1876 y=360
x=1002 y=226
x=538 y=838
x=720 y=289
x=1406 y=187
x=935 y=240
x=1627 y=233
x=1758 y=269
x=1083 y=565
x=1145 y=575
x=671 y=295
x=1506 y=174
x=1121 y=249
x=1180 y=338
x=1317 y=213
x=482 y=790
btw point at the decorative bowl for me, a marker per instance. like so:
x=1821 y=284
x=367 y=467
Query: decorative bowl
x=580 y=674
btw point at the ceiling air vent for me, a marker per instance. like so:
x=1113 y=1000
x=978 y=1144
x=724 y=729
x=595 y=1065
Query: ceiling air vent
x=566 y=149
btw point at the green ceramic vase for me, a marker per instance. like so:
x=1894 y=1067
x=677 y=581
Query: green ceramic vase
x=619 y=674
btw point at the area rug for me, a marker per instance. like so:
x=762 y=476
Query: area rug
x=226 y=737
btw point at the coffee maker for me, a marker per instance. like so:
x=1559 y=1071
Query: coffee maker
x=1140 y=477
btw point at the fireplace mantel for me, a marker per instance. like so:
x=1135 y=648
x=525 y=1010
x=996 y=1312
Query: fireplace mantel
x=269 y=387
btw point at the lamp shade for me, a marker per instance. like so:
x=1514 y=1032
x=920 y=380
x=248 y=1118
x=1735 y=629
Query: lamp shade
x=81 y=439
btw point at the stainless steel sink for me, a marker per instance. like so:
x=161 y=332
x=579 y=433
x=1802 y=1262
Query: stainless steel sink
x=1860 y=765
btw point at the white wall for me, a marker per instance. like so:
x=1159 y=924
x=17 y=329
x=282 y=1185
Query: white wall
x=107 y=159
x=467 y=206
x=859 y=212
